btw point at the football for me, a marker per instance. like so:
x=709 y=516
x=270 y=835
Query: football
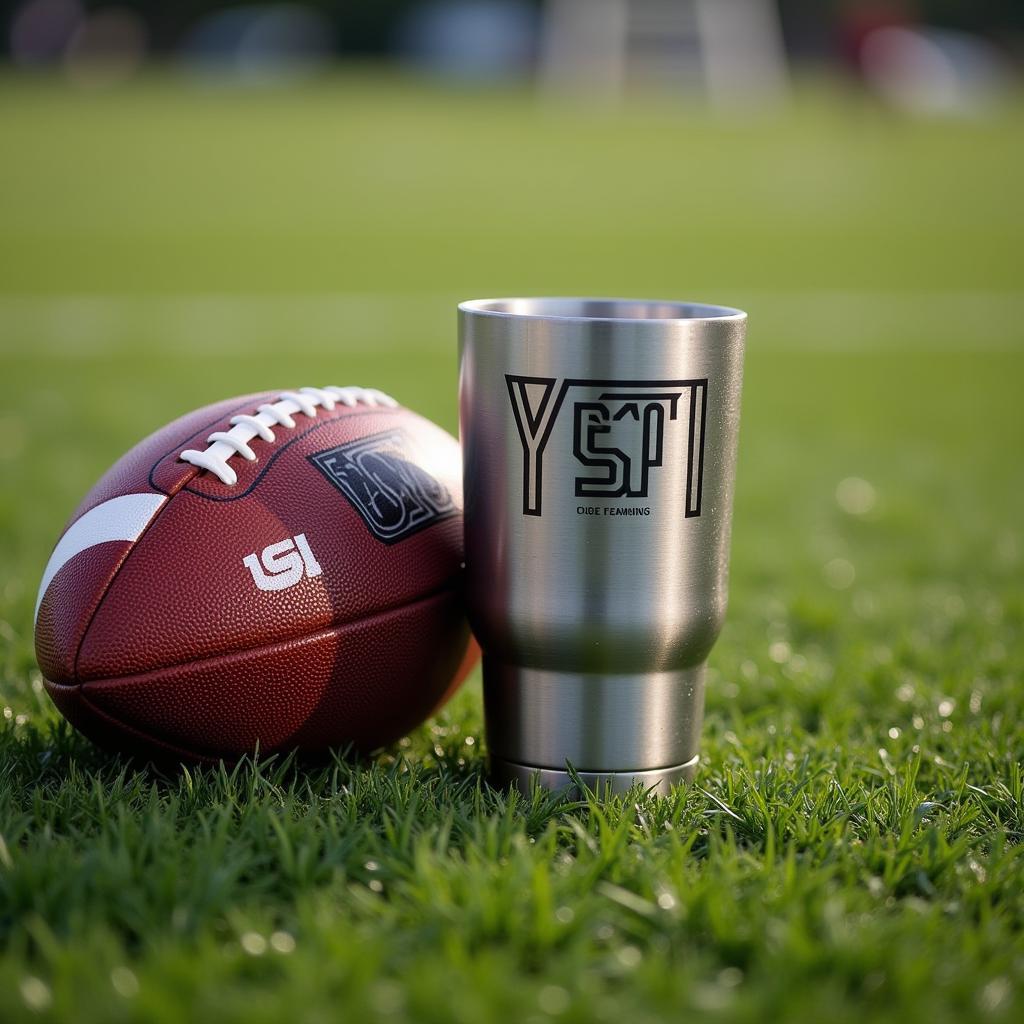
x=278 y=571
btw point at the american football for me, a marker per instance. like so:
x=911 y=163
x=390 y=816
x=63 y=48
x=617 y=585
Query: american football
x=278 y=571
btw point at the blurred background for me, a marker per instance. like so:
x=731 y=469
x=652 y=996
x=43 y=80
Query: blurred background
x=923 y=55
x=199 y=199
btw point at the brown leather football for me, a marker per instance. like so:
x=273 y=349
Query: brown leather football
x=277 y=571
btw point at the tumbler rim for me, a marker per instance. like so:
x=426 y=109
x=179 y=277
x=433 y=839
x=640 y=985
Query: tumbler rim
x=606 y=310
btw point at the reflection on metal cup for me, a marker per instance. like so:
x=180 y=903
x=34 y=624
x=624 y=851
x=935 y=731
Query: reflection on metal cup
x=599 y=445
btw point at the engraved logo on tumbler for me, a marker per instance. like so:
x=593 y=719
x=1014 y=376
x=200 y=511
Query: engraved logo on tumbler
x=380 y=478
x=619 y=433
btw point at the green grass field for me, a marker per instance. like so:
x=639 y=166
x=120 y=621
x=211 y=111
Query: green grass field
x=852 y=847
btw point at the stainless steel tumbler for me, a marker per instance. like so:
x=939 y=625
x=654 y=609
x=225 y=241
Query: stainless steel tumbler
x=599 y=446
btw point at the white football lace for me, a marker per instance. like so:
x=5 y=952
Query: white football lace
x=244 y=428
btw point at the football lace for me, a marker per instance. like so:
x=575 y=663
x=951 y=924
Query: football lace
x=224 y=444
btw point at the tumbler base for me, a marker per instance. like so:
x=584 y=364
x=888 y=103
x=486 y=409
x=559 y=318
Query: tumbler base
x=659 y=781
x=601 y=723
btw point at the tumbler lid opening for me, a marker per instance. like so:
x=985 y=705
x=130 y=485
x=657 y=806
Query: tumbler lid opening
x=558 y=308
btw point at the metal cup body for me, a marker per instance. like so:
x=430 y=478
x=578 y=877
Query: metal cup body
x=599 y=443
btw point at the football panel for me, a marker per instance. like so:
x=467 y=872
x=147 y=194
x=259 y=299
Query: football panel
x=109 y=733
x=330 y=443
x=365 y=683
x=68 y=603
x=132 y=472
x=291 y=556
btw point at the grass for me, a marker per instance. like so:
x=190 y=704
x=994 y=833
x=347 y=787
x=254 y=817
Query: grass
x=852 y=846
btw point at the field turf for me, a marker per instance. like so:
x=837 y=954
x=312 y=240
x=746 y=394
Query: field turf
x=852 y=847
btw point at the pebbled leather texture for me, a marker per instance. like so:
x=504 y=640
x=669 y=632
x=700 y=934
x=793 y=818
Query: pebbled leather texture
x=168 y=644
x=71 y=601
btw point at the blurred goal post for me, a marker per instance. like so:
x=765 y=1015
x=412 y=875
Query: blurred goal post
x=731 y=51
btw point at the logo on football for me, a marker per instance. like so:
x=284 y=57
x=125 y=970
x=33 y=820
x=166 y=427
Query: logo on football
x=381 y=477
x=283 y=564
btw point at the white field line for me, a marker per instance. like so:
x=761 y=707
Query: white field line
x=215 y=324
x=361 y=322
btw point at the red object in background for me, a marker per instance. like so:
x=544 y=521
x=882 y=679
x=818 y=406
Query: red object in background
x=308 y=597
x=859 y=18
